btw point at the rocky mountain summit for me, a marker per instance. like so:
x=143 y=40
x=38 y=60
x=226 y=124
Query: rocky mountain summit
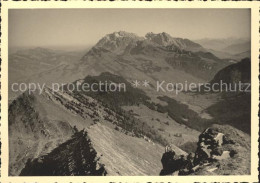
x=222 y=150
x=125 y=53
x=122 y=39
x=165 y=39
x=117 y=41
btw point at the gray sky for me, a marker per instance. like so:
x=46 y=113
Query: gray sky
x=79 y=27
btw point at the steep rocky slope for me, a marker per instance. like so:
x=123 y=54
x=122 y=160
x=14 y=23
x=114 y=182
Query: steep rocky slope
x=110 y=152
x=73 y=157
x=126 y=155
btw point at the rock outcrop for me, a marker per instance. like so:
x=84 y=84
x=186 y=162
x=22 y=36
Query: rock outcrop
x=222 y=150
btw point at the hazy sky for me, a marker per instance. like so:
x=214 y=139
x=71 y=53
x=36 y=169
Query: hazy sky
x=68 y=27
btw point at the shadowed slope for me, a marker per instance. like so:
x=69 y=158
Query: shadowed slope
x=74 y=157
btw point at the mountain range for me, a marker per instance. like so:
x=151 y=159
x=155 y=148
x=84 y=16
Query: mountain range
x=127 y=131
x=236 y=48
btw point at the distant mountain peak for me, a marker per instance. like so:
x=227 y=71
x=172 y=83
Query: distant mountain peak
x=123 y=42
x=163 y=38
x=117 y=41
x=118 y=35
x=122 y=34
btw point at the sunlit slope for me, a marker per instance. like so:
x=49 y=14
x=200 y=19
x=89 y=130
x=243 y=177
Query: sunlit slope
x=126 y=155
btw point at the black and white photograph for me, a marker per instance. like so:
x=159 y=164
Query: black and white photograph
x=129 y=92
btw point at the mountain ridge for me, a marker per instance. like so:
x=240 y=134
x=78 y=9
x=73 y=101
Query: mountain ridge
x=152 y=54
x=120 y=40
